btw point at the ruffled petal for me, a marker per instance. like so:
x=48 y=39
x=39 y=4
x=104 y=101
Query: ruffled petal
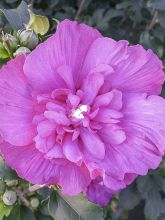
x=71 y=149
x=104 y=51
x=92 y=144
x=91 y=86
x=143 y=116
x=16 y=105
x=30 y=164
x=141 y=71
x=135 y=69
x=112 y=134
x=74 y=179
x=68 y=46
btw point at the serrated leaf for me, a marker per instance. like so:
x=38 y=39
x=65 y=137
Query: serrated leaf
x=17 y=17
x=4 y=210
x=74 y=207
x=5 y=172
x=40 y=24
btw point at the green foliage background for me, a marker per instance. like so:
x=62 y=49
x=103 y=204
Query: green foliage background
x=139 y=21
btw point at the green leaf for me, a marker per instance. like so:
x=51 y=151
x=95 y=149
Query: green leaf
x=40 y=216
x=145 y=185
x=73 y=207
x=129 y=198
x=17 y=17
x=154 y=206
x=161 y=16
x=53 y=204
x=157 y=4
x=21 y=213
x=2 y=62
x=4 y=210
x=149 y=42
x=5 y=172
x=3 y=53
x=40 y=24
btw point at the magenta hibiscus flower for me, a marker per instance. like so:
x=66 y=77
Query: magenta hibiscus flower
x=83 y=111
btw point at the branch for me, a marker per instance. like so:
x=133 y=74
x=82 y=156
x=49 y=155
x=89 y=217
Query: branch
x=153 y=21
x=79 y=9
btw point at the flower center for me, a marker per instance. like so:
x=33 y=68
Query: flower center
x=78 y=113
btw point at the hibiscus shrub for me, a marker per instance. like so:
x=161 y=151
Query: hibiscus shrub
x=80 y=115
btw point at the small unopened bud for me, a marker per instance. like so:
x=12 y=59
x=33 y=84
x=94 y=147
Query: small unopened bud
x=28 y=38
x=2 y=186
x=21 y=50
x=34 y=202
x=9 y=197
x=11 y=41
x=11 y=183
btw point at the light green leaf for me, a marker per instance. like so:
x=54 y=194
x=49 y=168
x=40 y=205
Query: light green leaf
x=40 y=24
x=73 y=207
x=3 y=53
x=4 y=210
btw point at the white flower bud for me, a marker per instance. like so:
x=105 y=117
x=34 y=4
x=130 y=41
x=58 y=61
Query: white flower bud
x=28 y=38
x=11 y=182
x=34 y=202
x=21 y=50
x=9 y=197
x=12 y=41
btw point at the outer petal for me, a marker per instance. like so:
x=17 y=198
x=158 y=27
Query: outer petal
x=144 y=145
x=68 y=46
x=141 y=71
x=16 y=105
x=135 y=69
x=74 y=179
x=31 y=164
x=34 y=167
x=143 y=115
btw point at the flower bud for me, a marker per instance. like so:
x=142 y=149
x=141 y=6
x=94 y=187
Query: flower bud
x=34 y=202
x=21 y=50
x=9 y=197
x=12 y=41
x=11 y=183
x=28 y=38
